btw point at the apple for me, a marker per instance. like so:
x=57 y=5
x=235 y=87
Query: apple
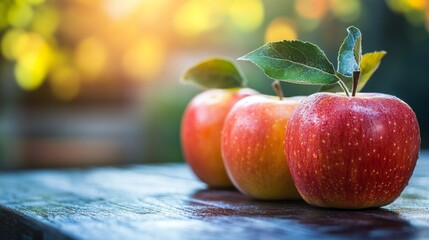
x=252 y=147
x=352 y=152
x=201 y=128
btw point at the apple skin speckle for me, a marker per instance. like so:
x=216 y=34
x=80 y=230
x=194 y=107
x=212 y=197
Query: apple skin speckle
x=253 y=147
x=370 y=143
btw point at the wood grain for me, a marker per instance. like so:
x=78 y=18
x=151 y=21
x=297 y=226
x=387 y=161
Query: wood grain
x=168 y=202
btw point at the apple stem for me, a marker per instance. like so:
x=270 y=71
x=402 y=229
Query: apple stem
x=278 y=89
x=356 y=76
x=344 y=87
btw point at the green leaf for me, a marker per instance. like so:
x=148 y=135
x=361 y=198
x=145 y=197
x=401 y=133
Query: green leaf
x=368 y=65
x=294 y=61
x=215 y=73
x=357 y=50
x=350 y=52
x=348 y=81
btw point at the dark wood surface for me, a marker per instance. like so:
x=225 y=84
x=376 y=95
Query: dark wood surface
x=167 y=202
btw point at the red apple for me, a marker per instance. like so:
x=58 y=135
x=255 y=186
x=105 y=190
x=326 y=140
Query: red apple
x=202 y=124
x=352 y=152
x=252 y=147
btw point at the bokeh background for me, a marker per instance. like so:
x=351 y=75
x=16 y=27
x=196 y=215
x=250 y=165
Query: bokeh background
x=97 y=82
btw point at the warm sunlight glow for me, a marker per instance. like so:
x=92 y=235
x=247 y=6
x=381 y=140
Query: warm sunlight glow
x=118 y=44
x=121 y=9
x=280 y=29
x=312 y=9
x=197 y=16
x=90 y=57
x=247 y=15
x=150 y=11
x=144 y=59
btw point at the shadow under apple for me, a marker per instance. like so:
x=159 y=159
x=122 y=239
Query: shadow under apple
x=295 y=218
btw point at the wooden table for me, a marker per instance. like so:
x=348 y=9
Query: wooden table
x=167 y=202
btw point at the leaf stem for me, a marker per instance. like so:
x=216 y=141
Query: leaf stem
x=278 y=89
x=344 y=87
x=356 y=76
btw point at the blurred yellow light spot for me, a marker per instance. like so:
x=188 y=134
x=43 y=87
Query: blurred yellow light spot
x=19 y=15
x=405 y=6
x=90 y=57
x=346 y=10
x=144 y=59
x=280 y=29
x=13 y=43
x=45 y=20
x=65 y=83
x=33 y=64
x=195 y=17
x=416 y=4
x=311 y=9
x=247 y=15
